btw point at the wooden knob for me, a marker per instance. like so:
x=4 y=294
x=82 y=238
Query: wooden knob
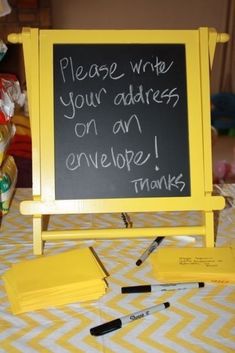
x=222 y=37
x=15 y=38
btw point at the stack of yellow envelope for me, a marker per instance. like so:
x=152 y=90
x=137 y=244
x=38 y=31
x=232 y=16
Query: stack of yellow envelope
x=194 y=264
x=48 y=281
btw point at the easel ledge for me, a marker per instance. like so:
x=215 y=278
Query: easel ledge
x=207 y=203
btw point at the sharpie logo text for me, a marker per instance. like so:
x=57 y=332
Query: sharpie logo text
x=139 y=316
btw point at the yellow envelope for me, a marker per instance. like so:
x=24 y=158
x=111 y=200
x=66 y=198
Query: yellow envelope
x=68 y=277
x=200 y=264
x=79 y=265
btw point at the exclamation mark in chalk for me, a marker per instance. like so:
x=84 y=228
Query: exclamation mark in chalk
x=156 y=152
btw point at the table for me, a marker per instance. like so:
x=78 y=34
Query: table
x=197 y=321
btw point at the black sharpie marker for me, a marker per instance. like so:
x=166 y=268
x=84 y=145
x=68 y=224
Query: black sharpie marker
x=162 y=287
x=118 y=323
x=149 y=250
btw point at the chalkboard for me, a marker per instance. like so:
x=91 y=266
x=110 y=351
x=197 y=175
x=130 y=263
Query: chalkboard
x=120 y=121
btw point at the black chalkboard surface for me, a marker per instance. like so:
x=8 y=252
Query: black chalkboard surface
x=120 y=121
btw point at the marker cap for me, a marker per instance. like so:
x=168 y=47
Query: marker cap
x=138 y=262
x=136 y=289
x=106 y=327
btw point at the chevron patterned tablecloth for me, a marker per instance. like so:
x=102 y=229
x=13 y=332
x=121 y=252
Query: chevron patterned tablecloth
x=198 y=320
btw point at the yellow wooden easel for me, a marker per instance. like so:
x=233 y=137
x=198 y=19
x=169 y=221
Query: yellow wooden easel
x=38 y=53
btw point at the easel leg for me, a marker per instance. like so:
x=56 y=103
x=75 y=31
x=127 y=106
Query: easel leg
x=37 y=235
x=209 y=227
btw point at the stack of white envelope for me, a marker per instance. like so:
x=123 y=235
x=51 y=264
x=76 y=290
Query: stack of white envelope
x=48 y=281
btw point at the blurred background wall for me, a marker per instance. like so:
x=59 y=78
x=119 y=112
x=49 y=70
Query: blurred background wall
x=126 y=14
x=157 y=14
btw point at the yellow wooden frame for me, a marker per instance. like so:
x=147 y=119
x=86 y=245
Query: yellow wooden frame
x=38 y=52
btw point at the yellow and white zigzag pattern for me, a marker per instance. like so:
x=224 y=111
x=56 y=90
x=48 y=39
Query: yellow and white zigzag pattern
x=198 y=320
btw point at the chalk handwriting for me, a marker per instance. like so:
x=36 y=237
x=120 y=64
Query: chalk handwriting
x=121 y=116
x=135 y=95
x=120 y=160
x=124 y=126
x=165 y=182
x=78 y=101
x=71 y=71
x=156 y=66
x=82 y=129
